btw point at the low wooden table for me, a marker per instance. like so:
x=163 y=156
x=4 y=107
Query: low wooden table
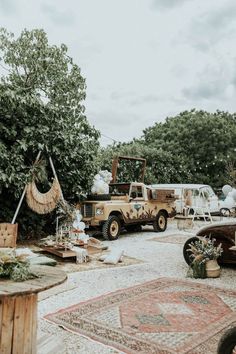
x=61 y=252
x=184 y=222
x=18 y=309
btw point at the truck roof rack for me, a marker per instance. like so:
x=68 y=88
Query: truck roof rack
x=115 y=165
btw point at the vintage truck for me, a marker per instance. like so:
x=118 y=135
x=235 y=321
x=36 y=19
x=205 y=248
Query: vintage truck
x=129 y=206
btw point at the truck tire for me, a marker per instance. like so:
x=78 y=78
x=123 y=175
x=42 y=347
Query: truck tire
x=111 y=228
x=186 y=253
x=160 y=223
x=227 y=344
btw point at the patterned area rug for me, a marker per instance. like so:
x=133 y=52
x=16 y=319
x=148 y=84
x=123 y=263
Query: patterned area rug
x=94 y=263
x=164 y=316
x=175 y=238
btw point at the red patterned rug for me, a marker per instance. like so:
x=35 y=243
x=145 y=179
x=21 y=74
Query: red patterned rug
x=164 y=316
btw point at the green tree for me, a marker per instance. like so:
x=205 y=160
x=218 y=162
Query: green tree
x=160 y=168
x=41 y=99
x=205 y=142
x=192 y=147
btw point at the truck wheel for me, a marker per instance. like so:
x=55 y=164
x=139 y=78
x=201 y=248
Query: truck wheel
x=160 y=223
x=111 y=228
x=227 y=344
x=186 y=253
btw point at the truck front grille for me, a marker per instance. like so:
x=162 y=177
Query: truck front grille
x=87 y=210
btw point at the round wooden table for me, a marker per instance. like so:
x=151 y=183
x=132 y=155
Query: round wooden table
x=18 y=309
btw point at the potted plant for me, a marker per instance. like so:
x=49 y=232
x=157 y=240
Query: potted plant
x=204 y=256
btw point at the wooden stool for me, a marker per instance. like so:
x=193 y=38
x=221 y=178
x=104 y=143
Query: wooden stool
x=18 y=309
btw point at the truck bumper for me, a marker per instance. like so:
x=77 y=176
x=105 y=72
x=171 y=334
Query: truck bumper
x=91 y=222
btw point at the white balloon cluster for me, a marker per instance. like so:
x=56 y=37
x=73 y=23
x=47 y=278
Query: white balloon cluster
x=80 y=226
x=230 y=194
x=101 y=182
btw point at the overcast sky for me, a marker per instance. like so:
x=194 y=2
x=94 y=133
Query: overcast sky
x=143 y=60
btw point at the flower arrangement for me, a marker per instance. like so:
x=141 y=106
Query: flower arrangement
x=66 y=212
x=15 y=267
x=69 y=228
x=202 y=250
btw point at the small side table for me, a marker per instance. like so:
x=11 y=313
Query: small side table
x=184 y=222
x=18 y=309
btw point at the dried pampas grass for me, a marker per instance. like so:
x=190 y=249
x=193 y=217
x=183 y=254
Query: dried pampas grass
x=43 y=203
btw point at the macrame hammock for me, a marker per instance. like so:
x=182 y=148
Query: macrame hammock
x=43 y=203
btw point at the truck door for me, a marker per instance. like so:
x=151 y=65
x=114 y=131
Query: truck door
x=138 y=203
x=209 y=199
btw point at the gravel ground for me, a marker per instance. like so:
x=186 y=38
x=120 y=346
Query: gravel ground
x=159 y=260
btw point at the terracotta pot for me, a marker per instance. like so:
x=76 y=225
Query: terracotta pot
x=212 y=269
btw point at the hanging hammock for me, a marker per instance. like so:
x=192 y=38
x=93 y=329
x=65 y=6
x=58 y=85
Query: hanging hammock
x=43 y=203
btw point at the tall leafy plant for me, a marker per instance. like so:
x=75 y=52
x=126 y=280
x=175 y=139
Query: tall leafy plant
x=41 y=105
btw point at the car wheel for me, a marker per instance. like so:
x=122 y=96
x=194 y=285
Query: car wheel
x=160 y=223
x=224 y=212
x=134 y=228
x=186 y=253
x=111 y=228
x=227 y=344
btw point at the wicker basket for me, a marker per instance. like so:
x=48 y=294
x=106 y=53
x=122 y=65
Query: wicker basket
x=212 y=269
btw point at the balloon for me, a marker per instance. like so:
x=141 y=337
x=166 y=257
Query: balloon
x=233 y=194
x=93 y=190
x=81 y=225
x=101 y=182
x=84 y=237
x=76 y=224
x=226 y=189
x=229 y=202
x=78 y=215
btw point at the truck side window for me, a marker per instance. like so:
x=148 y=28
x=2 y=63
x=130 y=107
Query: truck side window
x=136 y=192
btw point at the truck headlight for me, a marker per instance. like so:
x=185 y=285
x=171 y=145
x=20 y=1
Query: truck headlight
x=99 y=211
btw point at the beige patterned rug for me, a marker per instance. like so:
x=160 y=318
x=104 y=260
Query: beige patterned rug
x=94 y=263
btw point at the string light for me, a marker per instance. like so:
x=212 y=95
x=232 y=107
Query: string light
x=108 y=137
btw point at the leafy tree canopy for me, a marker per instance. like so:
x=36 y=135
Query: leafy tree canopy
x=160 y=168
x=192 y=147
x=41 y=104
x=205 y=141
